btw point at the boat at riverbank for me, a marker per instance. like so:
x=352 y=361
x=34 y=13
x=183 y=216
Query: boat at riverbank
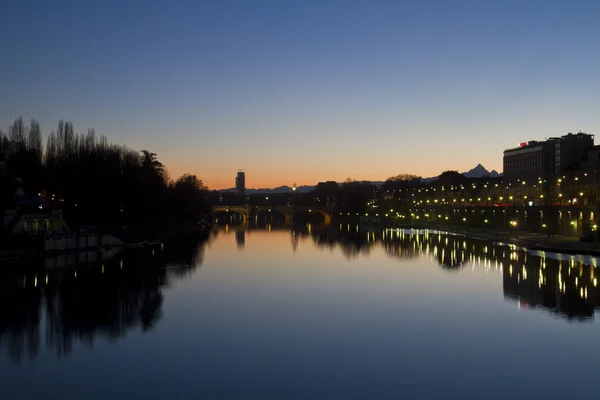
x=30 y=234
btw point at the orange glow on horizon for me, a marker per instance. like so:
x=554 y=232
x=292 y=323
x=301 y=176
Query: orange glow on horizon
x=263 y=176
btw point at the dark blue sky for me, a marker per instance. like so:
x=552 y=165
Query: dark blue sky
x=304 y=91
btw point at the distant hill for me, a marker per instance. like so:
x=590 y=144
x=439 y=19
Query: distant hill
x=479 y=171
x=279 y=189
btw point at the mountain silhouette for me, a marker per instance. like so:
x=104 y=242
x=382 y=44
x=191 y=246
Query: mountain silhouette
x=477 y=172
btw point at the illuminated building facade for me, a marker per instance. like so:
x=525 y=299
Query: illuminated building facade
x=534 y=167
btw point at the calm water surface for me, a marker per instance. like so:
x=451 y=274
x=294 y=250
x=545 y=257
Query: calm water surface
x=268 y=313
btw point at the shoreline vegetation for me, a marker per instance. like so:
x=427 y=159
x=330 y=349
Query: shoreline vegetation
x=95 y=183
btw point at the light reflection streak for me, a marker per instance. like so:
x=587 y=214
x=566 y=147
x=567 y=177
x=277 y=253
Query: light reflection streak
x=554 y=288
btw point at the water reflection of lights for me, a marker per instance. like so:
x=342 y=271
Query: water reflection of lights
x=537 y=278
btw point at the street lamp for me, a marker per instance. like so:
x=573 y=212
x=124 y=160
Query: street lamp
x=514 y=226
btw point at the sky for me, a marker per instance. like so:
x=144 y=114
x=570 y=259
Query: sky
x=303 y=91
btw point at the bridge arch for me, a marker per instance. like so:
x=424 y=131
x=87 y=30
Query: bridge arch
x=289 y=212
x=285 y=211
x=326 y=215
x=241 y=210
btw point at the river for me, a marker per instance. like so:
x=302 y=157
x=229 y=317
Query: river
x=310 y=313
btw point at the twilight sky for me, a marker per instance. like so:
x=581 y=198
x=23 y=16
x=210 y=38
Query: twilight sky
x=305 y=91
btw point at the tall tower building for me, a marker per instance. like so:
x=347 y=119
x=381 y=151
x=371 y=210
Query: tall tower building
x=240 y=182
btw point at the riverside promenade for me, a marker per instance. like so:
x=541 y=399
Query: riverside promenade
x=537 y=241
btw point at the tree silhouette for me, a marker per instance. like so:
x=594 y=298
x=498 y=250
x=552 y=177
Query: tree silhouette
x=96 y=182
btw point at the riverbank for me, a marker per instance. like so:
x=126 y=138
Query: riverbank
x=159 y=233
x=533 y=241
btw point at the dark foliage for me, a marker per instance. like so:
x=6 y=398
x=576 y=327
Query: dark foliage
x=96 y=182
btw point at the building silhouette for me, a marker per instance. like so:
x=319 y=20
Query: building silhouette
x=543 y=162
x=240 y=182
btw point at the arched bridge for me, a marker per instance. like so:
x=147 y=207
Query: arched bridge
x=287 y=211
x=244 y=211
